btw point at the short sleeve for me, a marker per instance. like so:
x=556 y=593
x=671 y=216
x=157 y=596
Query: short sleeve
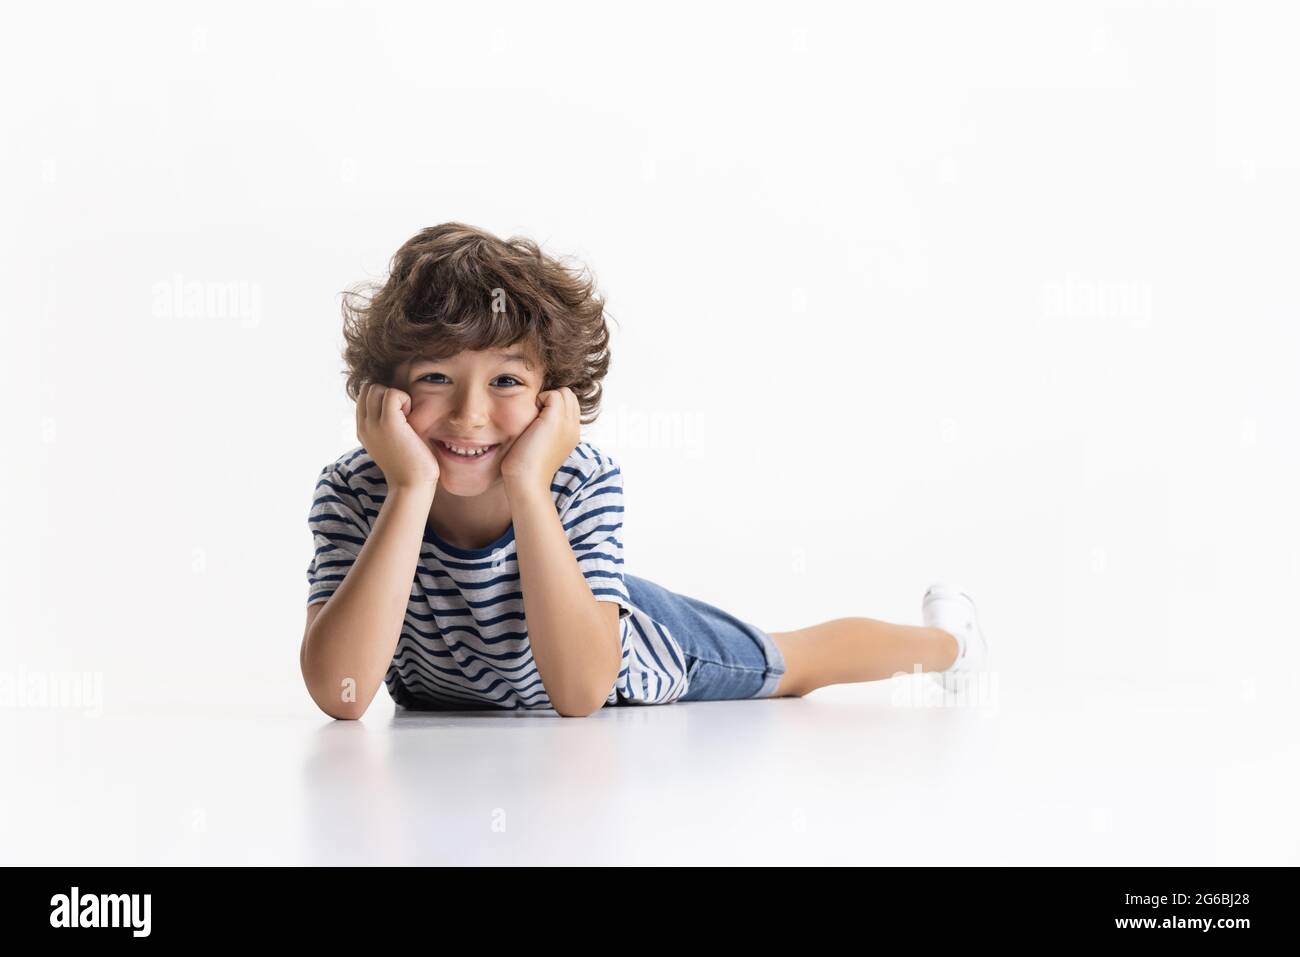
x=593 y=522
x=338 y=526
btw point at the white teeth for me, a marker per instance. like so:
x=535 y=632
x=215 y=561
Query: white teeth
x=472 y=453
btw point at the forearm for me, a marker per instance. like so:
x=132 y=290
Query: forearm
x=352 y=641
x=575 y=656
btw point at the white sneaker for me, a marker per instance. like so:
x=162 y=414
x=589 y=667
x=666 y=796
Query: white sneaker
x=950 y=609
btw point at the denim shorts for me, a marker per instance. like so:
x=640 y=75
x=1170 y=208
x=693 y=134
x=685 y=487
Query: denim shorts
x=725 y=657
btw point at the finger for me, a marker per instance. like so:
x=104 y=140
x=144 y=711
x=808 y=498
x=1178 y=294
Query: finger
x=361 y=404
x=394 y=404
x=565 y=402
x=384 y=412
x=374 y=402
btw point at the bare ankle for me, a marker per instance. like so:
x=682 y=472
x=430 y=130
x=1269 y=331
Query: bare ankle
x=947 y=649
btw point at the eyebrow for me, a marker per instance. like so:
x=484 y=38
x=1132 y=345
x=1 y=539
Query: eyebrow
x=503 y=356
x=516 y=357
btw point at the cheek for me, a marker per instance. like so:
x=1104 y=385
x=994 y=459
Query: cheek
x=513 y=417
x=522 y=415
x=423 y=413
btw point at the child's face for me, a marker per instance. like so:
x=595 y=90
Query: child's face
x=480 y=398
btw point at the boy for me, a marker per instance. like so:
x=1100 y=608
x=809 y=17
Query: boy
x=468 y=554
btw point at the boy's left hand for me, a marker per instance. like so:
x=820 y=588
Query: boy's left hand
x=541 y=449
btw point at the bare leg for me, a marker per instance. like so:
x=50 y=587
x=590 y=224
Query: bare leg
x=858 y=649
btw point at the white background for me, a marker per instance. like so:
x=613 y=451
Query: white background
x=1002 y=294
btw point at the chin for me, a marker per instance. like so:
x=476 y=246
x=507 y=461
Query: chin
x=461 y=485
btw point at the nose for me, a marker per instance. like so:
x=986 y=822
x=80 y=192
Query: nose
x=469 y=410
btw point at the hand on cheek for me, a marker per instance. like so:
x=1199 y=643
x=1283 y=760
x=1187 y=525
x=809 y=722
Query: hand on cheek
x=539 y=451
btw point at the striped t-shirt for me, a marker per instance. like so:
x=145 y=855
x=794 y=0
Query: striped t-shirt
x=464 y=640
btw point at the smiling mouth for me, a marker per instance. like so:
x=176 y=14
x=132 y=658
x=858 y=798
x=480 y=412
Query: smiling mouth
x=467 y=456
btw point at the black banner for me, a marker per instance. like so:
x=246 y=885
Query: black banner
x=957 y=906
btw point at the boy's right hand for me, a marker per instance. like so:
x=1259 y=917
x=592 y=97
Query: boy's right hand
x=405 y=459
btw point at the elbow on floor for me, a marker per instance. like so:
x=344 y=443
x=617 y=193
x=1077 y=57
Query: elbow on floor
x=340 y=710
x=585 y=710
x=345 y=714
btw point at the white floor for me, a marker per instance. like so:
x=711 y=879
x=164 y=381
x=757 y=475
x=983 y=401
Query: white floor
x=1090 y=771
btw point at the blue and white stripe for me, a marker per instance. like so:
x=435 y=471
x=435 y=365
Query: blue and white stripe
x=464 y=641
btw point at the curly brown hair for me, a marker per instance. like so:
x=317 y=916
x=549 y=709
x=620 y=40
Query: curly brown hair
x=454 y=287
